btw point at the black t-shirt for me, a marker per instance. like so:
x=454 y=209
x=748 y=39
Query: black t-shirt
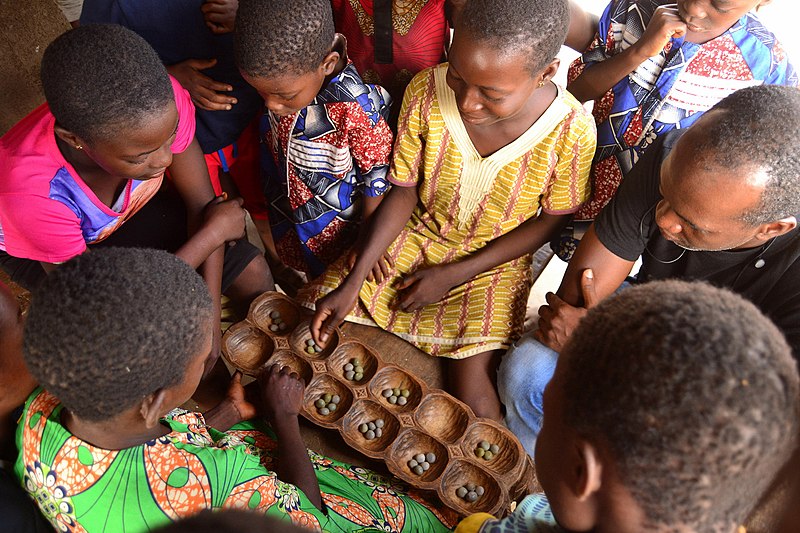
x=768 y=276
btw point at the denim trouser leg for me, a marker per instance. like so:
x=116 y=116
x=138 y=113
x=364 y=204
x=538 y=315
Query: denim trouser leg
x=524 y=372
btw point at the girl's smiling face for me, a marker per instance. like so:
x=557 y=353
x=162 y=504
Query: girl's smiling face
x=490 y=85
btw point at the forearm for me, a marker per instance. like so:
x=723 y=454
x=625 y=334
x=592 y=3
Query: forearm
x=223 y=416
x=609 y=270
x=597 y=79
x=527 y=238
x=393 y=213
x=582 y=28
x=294 y=466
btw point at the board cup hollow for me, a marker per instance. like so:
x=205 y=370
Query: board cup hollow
x=246 y=347
x=267 y=303
x=391 y=377
x=302 y=334
x=506 y=459
x=442 y=416
x=321 y=384
x=461 y=472
x=365 y=411
x=410 y=443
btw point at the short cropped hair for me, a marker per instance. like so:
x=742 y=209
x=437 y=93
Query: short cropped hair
x=538 y=27
x=99 y=78
x=112 y=326
x=694 y=391
x=759 y=130
x=279 y=37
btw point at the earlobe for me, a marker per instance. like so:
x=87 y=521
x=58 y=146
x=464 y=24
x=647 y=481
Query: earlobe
x=778 y=228
x=338 y=50
x=68 y=137
x=152 y=408
x=550 y=71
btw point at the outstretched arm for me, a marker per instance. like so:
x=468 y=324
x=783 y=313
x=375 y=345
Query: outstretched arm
x=597 y=79
x=387 y=222
x=593 y=273
x=283 y=396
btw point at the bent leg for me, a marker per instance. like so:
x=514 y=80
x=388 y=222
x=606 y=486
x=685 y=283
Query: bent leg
x=472 y=380
x=524 y=372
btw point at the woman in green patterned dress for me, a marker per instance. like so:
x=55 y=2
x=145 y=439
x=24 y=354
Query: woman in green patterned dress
x=118 y=339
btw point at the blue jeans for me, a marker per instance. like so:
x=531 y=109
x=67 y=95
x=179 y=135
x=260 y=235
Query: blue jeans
x=524 y=372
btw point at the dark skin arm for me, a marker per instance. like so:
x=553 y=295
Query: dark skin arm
x=283 y=397
x=205 y=92
x=597 y=79
x=594 y=272
x=393 y=212
x=582 y=27
x=233 y=409
x=209 y=229
x=429 y=285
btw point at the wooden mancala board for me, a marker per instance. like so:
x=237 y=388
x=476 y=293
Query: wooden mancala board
x=425 y=421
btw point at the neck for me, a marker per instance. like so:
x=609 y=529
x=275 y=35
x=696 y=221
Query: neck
x=118 y=433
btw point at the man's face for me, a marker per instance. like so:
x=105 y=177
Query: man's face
x=703 y=204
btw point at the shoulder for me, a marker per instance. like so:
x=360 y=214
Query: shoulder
x=424 y=81
x=759 y=47
x=186 y=118
x=29 y=156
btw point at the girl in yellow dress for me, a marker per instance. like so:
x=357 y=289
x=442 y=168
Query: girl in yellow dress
x=490 y=161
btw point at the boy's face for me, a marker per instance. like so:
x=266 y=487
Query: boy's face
x=490 y=86
x=287 y=94
x=707 y=19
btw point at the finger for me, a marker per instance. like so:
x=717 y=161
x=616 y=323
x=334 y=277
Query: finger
x=389 y=260
x=545 y=313
x=539 y=336
x=204 y=103
x=590 y=298
x=236 y=379
x=384 y=267
x=351 y=260
x=553 y=300
x=406 y=282
x=201 y=64
x=317 y=321
x=377 y=273
x=214 y=85
x=370 y=277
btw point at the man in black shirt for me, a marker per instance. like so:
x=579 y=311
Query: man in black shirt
x=716 y=202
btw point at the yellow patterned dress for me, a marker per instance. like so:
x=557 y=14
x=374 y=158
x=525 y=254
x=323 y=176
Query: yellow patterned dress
x=465 y=202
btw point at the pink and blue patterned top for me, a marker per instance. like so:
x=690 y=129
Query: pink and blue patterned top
x=47 y=212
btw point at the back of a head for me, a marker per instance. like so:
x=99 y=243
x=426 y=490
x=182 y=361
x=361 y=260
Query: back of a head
x=109 y=327
x=538 y=27
x=99 y=77
x=695 y=394
x=278 y=37
x=758 y=131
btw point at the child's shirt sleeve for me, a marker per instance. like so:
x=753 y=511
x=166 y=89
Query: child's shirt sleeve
x=569 y=186
x=370 y=144
x=187 y=124
x=532 y=515
x=412 y=129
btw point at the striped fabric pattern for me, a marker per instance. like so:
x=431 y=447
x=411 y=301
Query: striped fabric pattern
x=465 y=202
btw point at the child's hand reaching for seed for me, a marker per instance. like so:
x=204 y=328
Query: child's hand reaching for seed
x=282 y=390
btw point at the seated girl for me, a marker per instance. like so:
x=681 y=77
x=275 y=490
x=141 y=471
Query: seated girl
x=89 y=166
x=104 y=447
x=490 y=161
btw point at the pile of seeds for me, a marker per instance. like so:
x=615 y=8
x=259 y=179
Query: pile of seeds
x=327 y=403
x=486 y=450
x=470 y=492
x=312 y=347
x=277 y=323
x=422 y=462
x=372 y=430
x=396 y=395
x=353 y=371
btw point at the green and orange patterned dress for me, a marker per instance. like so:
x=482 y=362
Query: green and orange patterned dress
x=80 y=487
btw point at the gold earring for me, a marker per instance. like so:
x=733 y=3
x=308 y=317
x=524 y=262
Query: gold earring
x=80 y=146
x=541 y=83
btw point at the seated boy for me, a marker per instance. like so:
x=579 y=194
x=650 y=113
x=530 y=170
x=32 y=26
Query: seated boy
x=716 y=202
x=326 y=142
x=672 y=408
x=657 y=65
